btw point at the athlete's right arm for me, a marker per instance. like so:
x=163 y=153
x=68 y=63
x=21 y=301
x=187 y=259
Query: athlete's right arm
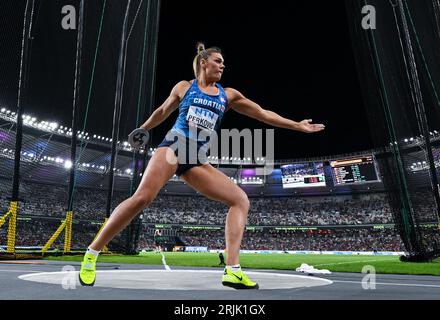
x=171 y=103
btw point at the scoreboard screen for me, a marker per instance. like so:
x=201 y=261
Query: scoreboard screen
x=303 y=175
x=357 y=170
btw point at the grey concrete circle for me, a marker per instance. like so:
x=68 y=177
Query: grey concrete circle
x=174 y=280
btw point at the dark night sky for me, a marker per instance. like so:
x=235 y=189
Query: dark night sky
x=294 y=58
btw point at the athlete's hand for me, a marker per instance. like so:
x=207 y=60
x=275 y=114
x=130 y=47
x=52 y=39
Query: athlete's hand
x=308 y=127
x=138 y=138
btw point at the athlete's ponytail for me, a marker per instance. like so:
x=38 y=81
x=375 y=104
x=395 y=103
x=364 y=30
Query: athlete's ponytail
x=202 y=54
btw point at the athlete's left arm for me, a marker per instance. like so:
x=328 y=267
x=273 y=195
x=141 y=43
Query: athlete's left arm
x=247 y=107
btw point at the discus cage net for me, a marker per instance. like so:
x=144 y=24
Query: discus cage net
x=396 y=47
x=92 y=65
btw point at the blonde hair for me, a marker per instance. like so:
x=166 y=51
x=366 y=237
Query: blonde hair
x=204 y=54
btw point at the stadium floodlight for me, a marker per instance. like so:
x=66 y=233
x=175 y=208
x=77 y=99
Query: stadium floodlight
x=68 y=164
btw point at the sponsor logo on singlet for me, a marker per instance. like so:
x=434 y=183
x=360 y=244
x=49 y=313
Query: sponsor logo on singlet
x=202 y=118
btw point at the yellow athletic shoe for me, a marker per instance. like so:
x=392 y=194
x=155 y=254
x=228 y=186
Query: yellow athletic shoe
x=237 y=280
x=87 y=273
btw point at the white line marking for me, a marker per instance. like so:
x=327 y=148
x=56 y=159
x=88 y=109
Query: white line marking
x=351 y=262
x=16 y=270
x=393 y=284
x=23 y=277
x=167 y=268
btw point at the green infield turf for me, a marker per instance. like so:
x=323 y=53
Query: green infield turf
x=335 y=263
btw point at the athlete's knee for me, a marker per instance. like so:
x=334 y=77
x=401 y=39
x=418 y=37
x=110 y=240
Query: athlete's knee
x=242 y=201
x=141 y=201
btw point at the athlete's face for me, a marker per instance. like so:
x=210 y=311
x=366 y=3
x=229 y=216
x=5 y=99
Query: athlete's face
x=214 y=66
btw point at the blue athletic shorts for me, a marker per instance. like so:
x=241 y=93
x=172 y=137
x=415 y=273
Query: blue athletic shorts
x=187 y=154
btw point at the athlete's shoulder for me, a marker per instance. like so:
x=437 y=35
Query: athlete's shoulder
x=183 y=85
x=232 y=94
x=181 y=88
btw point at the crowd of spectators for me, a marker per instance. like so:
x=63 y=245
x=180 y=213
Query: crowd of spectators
x=38 y=199
x=339 y=213
x=311 y=211
x=313 y=240
x=89 y=204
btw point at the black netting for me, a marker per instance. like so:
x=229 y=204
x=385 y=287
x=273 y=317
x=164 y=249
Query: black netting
x=73 y=69
x=399 y=67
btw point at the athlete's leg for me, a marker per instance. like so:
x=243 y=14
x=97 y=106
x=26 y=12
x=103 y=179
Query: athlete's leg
x=216 y=186
x=157 y=173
